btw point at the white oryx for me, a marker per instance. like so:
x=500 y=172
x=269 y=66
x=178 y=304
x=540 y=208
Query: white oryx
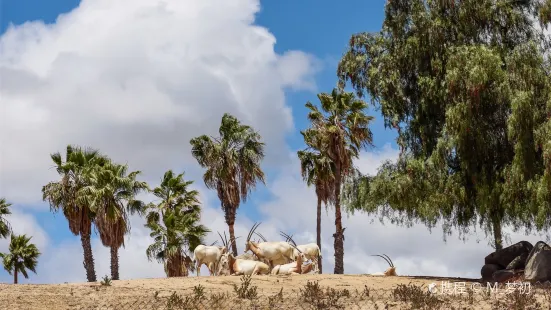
x=270 y=251
x=229 y=265
x=209 y=255
x=390 y=271
x=310 y=250
x=291 y=268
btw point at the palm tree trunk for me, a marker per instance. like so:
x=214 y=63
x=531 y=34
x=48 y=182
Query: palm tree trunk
x=88 y=257
x=318 y=231
x=339 y=238
x=114 y=263
x=232 y=237
x=230 y=220
x=15 y=276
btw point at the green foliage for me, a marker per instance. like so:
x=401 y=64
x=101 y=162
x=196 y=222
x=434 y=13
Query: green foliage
x=106 y=281
x=174 y=224
x=232 y=160
x=232 y=163
x=335 y=138
x=22 y=256
x=5 y=227
x=467 y=86
x=66 y=195
x=111 y=194
x=246 y=290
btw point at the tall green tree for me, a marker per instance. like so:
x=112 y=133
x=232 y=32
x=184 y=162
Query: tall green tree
x=466 y=85
x=174 y=224
x=111 y=193
x=339 y=131
x=318 y=170
x=5 y=227
x=66 y=196
x=233 y=165
x=22 y=256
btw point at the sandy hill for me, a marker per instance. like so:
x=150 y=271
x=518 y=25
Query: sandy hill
x=273 y=292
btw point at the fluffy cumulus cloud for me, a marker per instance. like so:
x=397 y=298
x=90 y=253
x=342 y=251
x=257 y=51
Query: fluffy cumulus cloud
x=137 y=79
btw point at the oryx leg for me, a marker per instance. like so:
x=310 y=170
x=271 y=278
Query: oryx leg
x=316 y=266
x=211 y=269
x=198 y=268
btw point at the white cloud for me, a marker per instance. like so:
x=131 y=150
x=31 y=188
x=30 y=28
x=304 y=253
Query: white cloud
x=369 y=162
x=25 y=223
x=138 y=79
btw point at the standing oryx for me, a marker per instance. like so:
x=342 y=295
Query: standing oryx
x=269 y=251
x=209 y=255
x=310 y=250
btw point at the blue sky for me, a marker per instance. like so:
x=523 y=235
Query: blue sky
x=65 y=87
x=321 y=28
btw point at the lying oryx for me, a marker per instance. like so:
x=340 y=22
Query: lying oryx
x=390 y=271
x=291 y=268
x=229 y=265
x=269 y=251
x=310 y=250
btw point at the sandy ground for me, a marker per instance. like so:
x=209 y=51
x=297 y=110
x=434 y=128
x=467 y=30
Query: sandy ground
x=363 y=292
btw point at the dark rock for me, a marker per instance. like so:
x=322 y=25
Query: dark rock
x=503 y=275
x=519 y=262
x=488 y=271
x=538 y=263
x=506 y=255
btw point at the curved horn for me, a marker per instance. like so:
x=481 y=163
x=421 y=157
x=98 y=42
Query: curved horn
x=229 y=243
x=226 y=238
x=388 y=262
x=292 y=243
x=255 y=226
x=391 y=263
x=261 y=237
x=223 y=241
x=215 y=242
x=289 y=238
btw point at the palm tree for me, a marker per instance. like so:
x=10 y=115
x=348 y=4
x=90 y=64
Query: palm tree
x=112 y=196
x=339 y=131
x=317 y=170
x=66 y=195
x=174 y=225
x=233 y=165
x=22 y=256
x=5 y=227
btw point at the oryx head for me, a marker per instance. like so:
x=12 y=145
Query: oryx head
x=224 y=264
x=226 y=244
x=248 y=242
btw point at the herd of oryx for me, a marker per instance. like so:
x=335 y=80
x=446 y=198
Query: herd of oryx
x=268 y=257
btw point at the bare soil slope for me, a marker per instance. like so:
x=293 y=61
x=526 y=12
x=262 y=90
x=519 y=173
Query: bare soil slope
x=272 y=292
